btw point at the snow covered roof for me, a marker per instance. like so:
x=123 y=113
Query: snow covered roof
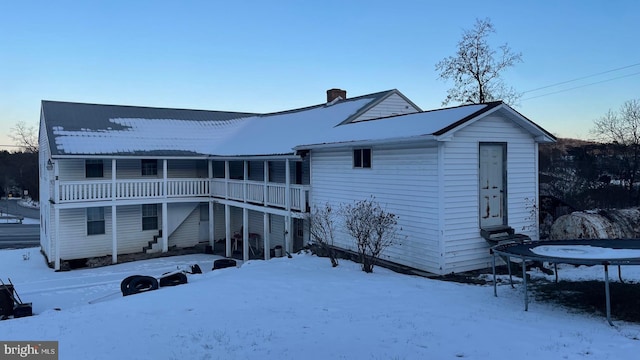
x=427 y=125
x=110 y=130
x=93 y=129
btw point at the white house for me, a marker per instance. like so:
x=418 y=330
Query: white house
x=123 y=179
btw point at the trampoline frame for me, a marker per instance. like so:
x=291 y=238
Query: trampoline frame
x=523 y=252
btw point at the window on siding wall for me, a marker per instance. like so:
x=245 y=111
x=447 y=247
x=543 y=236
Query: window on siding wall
x=95 y=221
x=362 y=158
x=149 y=167
x=93 y=168
x=149 y=217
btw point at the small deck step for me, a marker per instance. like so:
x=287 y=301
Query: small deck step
x=502 y=234
x=493 y=231
x=504 y=239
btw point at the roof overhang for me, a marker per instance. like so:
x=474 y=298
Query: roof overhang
x=539 y=134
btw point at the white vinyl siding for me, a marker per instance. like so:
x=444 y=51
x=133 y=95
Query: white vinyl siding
x=74 y=169
x=464 y=248
x=77 y=245
x=403 y=181
x=187 y=233
x=393 y=105
x=278 y=171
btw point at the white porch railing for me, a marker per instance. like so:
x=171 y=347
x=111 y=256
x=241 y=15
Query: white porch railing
x=239 y=190
x=253 y=192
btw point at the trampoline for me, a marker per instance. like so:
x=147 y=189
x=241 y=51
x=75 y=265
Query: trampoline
x=603 y=252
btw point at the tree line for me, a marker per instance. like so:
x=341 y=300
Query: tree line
x=19 y=173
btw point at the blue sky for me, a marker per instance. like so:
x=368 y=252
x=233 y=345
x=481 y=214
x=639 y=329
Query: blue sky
x=261 y=56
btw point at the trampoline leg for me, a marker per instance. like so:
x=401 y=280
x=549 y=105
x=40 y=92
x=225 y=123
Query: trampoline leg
x=493 y=266
x=620 y=274
x=509 y=267
x=555 y=270
x=606 y=292
x=524 y=282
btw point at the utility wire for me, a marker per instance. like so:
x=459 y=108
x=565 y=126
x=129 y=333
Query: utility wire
x=581 y=86
x=582 y=78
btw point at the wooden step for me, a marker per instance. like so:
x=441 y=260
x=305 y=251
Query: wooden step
x=494 y=231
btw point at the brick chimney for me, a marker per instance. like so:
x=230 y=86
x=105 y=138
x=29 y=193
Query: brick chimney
x=333 y=94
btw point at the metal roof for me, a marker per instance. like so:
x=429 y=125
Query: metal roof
x=73 y=127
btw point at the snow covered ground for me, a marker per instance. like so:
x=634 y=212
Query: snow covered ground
x=300 y=308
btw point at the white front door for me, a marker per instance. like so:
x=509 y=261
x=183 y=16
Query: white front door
x=492 y=185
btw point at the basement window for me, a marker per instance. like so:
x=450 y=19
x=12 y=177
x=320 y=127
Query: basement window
x=362 y=158
x=95 y=221
x=93 y=168
x=149 y=217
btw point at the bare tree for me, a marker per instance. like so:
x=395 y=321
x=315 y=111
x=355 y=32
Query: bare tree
x=25 y=136
x=373 y=229
x=322 y=231
x=622 y=129
x=475 y=71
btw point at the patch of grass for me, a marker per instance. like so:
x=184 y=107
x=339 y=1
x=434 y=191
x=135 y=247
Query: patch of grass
x=589 y=297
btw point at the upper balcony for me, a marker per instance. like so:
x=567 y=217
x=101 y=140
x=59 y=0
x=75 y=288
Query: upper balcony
x=254 y=192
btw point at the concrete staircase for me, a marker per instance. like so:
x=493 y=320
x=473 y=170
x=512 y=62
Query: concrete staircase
x=153 y=246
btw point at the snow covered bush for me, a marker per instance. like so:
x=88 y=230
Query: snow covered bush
x=373 y=229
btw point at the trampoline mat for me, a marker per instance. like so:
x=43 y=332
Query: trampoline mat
x=578 y=252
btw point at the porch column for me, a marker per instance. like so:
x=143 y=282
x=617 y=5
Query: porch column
x=287 y=185
x=287 y=234
x=114 y=236
x=227 y=229
x=287 y=199
x=114 y=219
x=226 y=179
x=245 y=177
x=266 y=182
x=165 y=217
x=212 y=233
x=165 y=228
x=266 y=239
x=212 y=240
x=57 y=224
x=245 y=234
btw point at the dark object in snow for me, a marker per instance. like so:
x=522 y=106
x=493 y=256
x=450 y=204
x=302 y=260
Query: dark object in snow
x=223 y=263
x=138 y=283
x=22 y=310
x=6 y=300
x=195 y=269
x=11 y=303
x=173 y=279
